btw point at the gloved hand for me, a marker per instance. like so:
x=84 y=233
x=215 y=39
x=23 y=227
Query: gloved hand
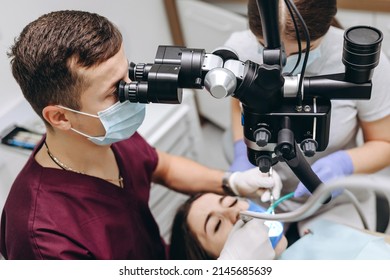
x=335 y=165
x=240 y=160
x=253 y=182
x=248 y=241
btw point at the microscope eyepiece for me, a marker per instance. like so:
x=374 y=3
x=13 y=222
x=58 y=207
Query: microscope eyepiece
x=362 y=45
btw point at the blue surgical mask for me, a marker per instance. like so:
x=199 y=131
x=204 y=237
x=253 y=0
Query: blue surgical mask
x=275 y=232
x=292 y=60
x=120 y=121
x=260 y=48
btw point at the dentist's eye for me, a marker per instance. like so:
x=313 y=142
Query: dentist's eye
x=113 y=94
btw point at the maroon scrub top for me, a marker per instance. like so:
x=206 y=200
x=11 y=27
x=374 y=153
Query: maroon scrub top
x=56 y=214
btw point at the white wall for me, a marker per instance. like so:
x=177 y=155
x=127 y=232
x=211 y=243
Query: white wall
x=143 y=23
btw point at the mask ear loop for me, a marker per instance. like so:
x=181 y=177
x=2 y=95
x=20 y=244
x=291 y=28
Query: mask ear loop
x=82 y=113
x=83 y=134
x=78 y=112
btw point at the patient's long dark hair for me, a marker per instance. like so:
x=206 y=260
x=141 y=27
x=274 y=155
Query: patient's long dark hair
x=184 y=245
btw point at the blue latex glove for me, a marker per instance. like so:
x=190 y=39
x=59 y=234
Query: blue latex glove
x=240 y=161
x=338 y=164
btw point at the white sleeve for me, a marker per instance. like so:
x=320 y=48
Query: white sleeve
x=378 y=106
x=245 y=44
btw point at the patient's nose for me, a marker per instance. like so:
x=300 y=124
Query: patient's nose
x=232 y=214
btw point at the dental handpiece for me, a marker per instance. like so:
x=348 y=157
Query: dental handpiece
x=271 y=199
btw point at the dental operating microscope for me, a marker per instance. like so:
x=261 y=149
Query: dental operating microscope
x=285 y=117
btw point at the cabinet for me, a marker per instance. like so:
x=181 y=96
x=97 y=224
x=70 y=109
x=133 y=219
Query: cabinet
x=171 y=128
x=365 y=5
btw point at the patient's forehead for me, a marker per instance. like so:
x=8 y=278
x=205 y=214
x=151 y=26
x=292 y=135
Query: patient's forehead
x=204 y=204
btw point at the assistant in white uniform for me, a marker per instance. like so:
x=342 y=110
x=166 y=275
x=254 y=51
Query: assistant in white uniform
x=347 y=117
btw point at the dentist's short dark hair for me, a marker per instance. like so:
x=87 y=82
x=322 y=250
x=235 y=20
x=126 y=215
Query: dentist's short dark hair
x=49 y=50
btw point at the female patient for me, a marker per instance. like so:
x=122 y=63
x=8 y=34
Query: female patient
x=203 y=223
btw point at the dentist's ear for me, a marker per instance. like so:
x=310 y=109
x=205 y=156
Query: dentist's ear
x=56 y=117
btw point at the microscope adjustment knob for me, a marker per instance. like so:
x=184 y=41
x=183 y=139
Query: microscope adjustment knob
x=309 y=147
x=220 y=82
x=285 y=149
x=262 y=136
x=139 y=71
x=264 y=162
